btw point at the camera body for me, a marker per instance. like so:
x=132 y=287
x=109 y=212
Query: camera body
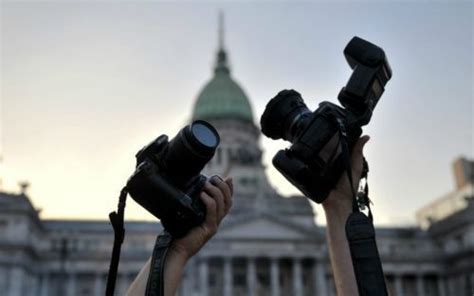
x=167 y=180
x=315 y=162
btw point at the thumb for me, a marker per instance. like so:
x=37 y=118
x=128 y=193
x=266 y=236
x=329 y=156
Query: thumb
x=359 y=146
x=357 y=156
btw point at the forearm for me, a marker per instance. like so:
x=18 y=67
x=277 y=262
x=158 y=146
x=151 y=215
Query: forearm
x=217 y=197
x=173 y=271
x=339 y=252
x=174 y=268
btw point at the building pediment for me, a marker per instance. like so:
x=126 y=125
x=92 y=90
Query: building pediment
x=265 y=227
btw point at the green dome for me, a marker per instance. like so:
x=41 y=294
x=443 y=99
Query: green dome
x=222 y=97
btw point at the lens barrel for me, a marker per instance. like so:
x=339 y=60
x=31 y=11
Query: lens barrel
x=190 y=150
x=282 y=114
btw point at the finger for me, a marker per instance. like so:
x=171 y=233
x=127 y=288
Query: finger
x=210 y=222
x=218 y=196
x=225 y=189
x=357 y=159
x=230 y=182
x=230 y=201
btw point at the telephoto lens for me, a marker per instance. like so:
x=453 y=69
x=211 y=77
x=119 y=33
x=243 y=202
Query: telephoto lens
x=168 y=180
x=188 y=152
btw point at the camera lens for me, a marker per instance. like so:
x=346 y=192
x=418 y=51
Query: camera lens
x=283 y=115
x=192 y=148
x=205 y=134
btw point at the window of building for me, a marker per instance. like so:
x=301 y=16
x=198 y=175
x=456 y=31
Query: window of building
x=218 y=157
x=459 y=241
x=239 y=279
x=3 y=224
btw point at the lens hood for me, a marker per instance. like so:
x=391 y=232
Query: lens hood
x=280 y=112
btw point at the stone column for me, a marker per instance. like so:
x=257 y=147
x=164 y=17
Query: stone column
x=3 y=279
x=331 y=286
x=274 y=277
x=420 y=286
x=251 y=277
x=34 y=287
x=228 y=276
x=319 y=274
x=472 y=283
x=398 y=285
x=44 y=285
x=441 y=286
x=462 y=284
x=98 y=287
x=185 y=288
x=71 y=284
x=297 y=278
x=192 y=276
x=451 y=285
x=17 y=280
x=203 y=277
x=124 y=283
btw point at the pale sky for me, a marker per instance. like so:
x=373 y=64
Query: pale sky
x=84 y=85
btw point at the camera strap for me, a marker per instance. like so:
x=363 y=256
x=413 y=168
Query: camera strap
x=360 y=233
x=116 y=219
x=155 y=285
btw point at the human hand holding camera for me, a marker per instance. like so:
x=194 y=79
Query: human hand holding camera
x=340 y=198
x=168 y=183
x=338 y=207
x=217 y=197
x=324 y=144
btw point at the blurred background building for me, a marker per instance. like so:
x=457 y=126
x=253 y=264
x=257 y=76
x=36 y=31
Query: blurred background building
x=268 y=245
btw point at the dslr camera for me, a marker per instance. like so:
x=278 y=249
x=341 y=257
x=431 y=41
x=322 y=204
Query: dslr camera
x=315 y=161
x=167 y=180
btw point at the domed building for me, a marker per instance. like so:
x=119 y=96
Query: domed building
x=267 y=245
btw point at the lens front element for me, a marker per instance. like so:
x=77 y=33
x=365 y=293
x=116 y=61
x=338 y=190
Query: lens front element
x=205 y=134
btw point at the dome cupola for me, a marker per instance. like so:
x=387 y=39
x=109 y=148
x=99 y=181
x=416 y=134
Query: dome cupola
x=222 y=97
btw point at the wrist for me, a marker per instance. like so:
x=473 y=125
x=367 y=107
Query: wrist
x=179 y=253
x=176 y=259
x=338 y=203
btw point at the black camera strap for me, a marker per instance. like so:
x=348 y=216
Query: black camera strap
x=360 y=233
x=116 y=219
x=155 y=285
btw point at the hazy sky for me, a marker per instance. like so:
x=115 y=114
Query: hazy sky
x=85 y=85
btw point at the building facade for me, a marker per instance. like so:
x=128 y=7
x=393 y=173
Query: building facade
x=268 y=245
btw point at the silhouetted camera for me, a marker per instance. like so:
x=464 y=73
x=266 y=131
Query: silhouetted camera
x=314 y=162
x=167 y=180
